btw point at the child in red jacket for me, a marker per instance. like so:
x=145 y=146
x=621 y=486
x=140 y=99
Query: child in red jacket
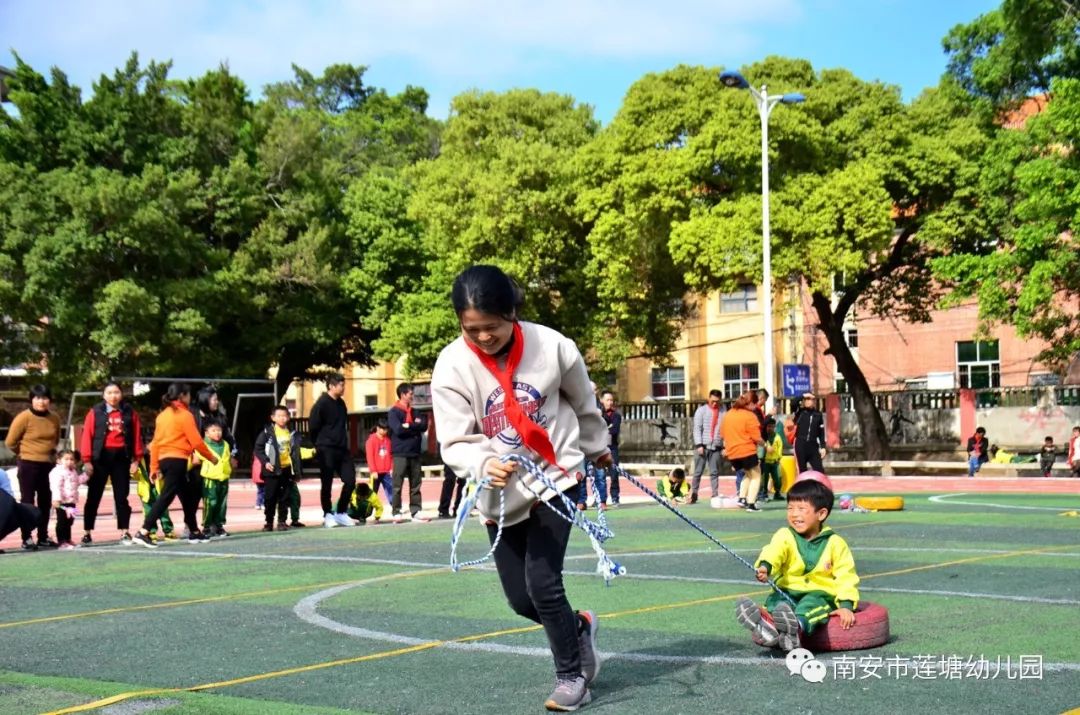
x=380 y=461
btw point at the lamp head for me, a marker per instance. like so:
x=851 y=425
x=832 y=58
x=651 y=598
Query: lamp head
x=793 y=98
x=734 y=80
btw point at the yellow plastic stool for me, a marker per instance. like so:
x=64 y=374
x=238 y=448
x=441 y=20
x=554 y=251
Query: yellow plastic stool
x=787 y=473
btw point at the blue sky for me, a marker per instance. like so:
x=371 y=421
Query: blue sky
x=591 y=49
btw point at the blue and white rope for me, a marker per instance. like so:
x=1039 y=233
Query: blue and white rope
x=598 y=531
x=700 y=529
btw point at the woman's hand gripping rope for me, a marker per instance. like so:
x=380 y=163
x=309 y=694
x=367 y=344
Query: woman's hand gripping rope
x=497 y=474
x=700 y=529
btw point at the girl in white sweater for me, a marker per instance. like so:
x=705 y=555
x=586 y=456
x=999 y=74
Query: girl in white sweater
x=553 y=419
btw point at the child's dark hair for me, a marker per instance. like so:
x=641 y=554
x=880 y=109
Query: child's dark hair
x=211 y=422
x=381 y=422
x=488 y=290
x=363 y=490
x=770 y=421
x=63 y=452
x=280 y=408
x=403 y=388
x=980 y=430
x=175 y=391
x=813 y=491
x=678 y=473
x=1048 y=439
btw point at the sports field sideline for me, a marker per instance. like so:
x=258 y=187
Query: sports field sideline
x=371 y=619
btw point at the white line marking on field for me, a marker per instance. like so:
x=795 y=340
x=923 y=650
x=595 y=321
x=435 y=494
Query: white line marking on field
x=632 y=576
x=307 y=610
x=941 y=499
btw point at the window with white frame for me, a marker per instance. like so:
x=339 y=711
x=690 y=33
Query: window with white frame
x=978 y=363
x=851 y=336
x=740 y=378
x=668 y=383
x=741 y=300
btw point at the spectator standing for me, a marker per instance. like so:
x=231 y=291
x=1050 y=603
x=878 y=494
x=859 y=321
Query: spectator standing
x=1047 y=456
x=708 y=445
x=380 y=460
x=451 y=482
x=33 y=437
x=329 y=428
x=742 y=439
x=1074 y=451
x=112 y=447
x=175 y=439
x=64 y=483
x=978 y=451
x=278 y=450
x=608 y=479
x=406 y=434
x=809 y=435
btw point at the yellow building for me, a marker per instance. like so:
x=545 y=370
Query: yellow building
x=721 y=348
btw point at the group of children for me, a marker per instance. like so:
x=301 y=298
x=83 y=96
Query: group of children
x=980 y=451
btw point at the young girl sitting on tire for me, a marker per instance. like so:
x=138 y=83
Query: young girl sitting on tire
x=811 y=564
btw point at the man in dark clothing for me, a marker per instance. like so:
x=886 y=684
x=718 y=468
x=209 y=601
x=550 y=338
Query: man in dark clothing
x=613 y=419
x=406 y=433
x=809 y=435
x=328 y=425
x=451 y=482
x=14 y=516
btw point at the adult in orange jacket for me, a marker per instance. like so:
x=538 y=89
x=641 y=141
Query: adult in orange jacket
x=175 y=439
x=741 y=431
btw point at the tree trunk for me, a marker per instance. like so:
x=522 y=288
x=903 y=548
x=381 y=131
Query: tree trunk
x=874 y=435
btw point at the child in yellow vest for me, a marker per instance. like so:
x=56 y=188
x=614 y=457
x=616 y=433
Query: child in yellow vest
x=215 y=481
x=811 y=564
x=365 y=503
x=770 y=466
x=674 y=488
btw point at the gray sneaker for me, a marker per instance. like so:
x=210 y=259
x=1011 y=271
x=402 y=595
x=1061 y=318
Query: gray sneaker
x=569 y=695
x=749 y=615
x=787 y=623
x=590 y=661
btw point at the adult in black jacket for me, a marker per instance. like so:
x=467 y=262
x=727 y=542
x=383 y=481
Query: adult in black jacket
x=809 y=435
x=112 y=447
x=207 y=405
x=406 y=434
x=328 y=425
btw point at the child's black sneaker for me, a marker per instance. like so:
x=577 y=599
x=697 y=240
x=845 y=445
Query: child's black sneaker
x=29 y=545
x=47 y=543
x=87 y=540
x=752 y=507
x=197 y=537
x=144 y=540
x=297 y=524
x=787 y=624
x=125 y=539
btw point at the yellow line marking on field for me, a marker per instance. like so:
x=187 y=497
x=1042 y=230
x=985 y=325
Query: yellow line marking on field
x=970 y=559
x=113 y=699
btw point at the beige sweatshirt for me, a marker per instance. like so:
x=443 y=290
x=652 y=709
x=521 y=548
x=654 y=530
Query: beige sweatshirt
x=553 y=387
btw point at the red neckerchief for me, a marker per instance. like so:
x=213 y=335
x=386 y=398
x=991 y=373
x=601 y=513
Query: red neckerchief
x=532 y=435
x=407 y=409
x=715 y=422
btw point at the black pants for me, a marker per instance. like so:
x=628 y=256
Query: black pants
x=450 y=480
x=276 y=494
x=529 y=559
x=63 y=524
x=179 y=482
x=111 y=464
x=15 y=516
x=808 y=456
x=34 y=484
x=406 y=467
x=334 y=461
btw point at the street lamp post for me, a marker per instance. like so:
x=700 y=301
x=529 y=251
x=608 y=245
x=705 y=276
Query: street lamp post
x=765 y=104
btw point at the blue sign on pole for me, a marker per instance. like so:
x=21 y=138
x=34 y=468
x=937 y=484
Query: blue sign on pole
x=796 y=380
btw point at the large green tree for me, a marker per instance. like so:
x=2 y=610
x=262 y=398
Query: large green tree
x=502 y=191
x=172 y=227
x=677 y=198
x=1017 y=251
